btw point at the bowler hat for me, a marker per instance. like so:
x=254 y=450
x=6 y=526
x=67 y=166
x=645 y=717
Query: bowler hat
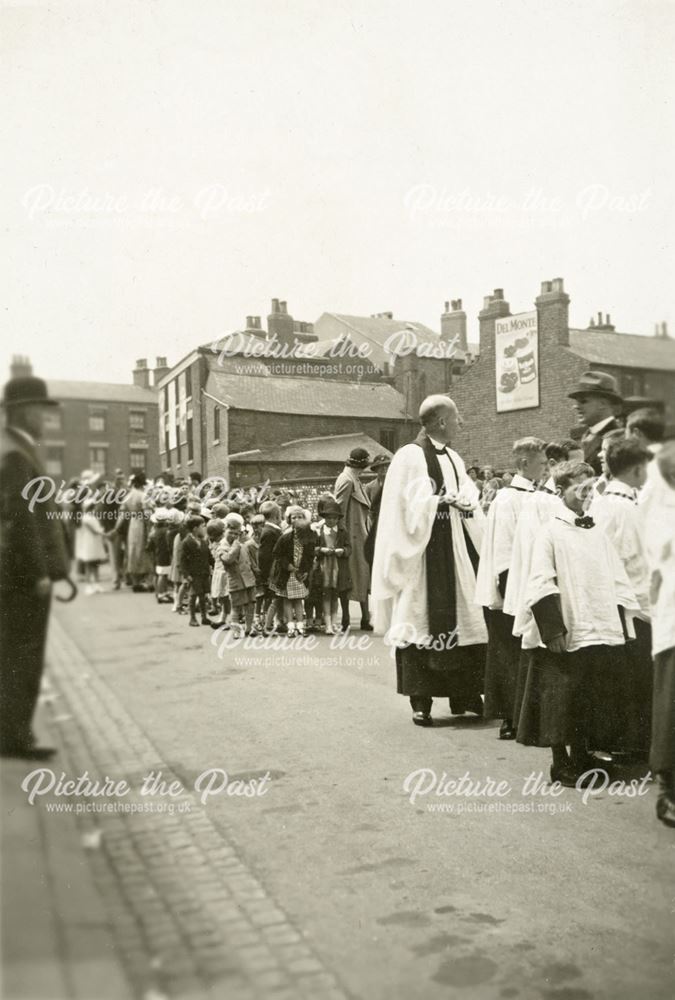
x=379 y=461
x=358 y=458
x=27 y=389
x=597 y=384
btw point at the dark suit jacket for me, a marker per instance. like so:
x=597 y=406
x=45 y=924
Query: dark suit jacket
x=593 y=443
x=32 y=543
x=195 y=557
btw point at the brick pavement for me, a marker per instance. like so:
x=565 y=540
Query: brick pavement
x=189 y=917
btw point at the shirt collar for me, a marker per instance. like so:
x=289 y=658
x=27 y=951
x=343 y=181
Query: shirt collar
x=437 y=444
x=521 y=483
x=596 y=428
x=25 y=435
x=550 y=484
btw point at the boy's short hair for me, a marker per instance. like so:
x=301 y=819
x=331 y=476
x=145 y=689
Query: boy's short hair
x=215 y=529
x=524 y=447
x=615 y=435
x=257 y=519
x=220 y=510
x=269 y=508
x=566 y=472
x=559 y=451
x=624 y=454
x=193 y=521
x=649 y=422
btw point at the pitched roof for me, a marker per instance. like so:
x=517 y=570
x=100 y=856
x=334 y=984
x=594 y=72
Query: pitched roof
x=376 y=330
x=101 y=392
x=279 y=394
x=626 y=350
x=332 y=448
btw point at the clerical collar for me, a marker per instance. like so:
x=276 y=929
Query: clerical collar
x=617 y=488
x=522 y=484
x=438 y=445
x=25 y=435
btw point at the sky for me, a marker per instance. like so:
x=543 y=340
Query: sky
x=174 y=165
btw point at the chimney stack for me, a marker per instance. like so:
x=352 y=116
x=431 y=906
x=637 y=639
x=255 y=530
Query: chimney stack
x=160 y=370
x=280 y=323
x=453 y=325
x=20 y=366
x=553 y=313
x=141 y=374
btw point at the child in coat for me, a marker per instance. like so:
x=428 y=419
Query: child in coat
x=159 y=547
x=215 y=530
x=269 y=536
x=196 y=561
x=293 y=560
x=240 y=563
x=89 y=546
x=332 y=557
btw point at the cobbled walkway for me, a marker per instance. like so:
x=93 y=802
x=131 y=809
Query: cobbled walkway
x=189 y=917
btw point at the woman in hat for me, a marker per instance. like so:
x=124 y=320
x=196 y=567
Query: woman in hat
x=133 y=511
x=355 y=508
x=373 y=491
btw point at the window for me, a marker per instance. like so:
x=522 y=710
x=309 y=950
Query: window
x=190 y=442
x=188 y=383
x=52 y=419
x=216 y=423
x=54 y=460
x=97 y=459
x=137 y=420
x=632 y=384
x=96 y=419
x=138 y=460
x=388 y=439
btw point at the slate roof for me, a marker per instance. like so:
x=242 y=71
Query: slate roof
x=280 y=394
x=626 y=350
x=375 y=330
x=101 y=392
x=333 y=448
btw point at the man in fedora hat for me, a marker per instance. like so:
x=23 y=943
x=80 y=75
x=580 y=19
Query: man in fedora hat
x=597 y=401
x=355 y=507
x=32 y=556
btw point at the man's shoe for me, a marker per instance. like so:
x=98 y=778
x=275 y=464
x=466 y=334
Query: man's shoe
x=506 y=731
x=366 y=627
x=28 y=753
x=422 y=719
x=568 y=776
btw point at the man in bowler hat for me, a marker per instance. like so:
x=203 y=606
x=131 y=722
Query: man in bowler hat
x=597 y=402
x=32 y=556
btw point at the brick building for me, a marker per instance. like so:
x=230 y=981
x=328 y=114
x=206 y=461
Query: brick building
x=643 y=366
x=100 y=426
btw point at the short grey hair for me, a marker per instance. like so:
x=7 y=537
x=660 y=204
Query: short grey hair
x=433 y=407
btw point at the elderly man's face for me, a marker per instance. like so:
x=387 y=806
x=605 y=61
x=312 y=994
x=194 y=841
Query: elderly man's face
x=448 y=424
x=592 y=408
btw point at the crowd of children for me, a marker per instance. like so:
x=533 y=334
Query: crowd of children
x=259 y=569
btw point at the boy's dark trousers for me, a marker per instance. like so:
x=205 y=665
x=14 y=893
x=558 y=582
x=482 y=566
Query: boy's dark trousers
x=198 y=591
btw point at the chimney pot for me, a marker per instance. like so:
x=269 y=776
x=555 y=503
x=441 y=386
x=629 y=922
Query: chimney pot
x=592 y=323
x=459 y=304
x=142 y=363
x=161 y=362
x=664 y=329
x=282 y=308
x=558 y=285
x=546 y=286
x=599 y=319
x=275 y=305
x=499 y=293
x=447 y=306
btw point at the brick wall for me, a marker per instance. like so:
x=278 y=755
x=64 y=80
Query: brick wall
x=487 y=436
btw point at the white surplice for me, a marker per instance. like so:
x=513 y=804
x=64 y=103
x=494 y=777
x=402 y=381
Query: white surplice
x=540 y=508
x=500 y=530
x=407 y=513
x=583 y=567
x=617 y=513
x=658 y=524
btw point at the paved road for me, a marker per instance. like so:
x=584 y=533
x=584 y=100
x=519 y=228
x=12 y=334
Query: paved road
x=379 y=897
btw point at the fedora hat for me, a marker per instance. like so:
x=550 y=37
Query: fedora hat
x=27 y=389
x=358 y=458
x=597 y=384
x=379 y=461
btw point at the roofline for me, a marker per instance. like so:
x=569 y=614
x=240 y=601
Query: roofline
x=193 y=355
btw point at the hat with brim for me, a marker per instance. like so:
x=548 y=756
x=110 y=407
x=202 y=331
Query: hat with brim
x=358 y=458
x=379 y=461
x=330 y=508
x=597 y=384
x=27 y=390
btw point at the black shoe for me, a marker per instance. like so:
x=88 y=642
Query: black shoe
x=194 y=623
x=568 y=776
x=422 y=719
x=506 y=731
x=206 y=621
x=366 y=626
x=28 y=753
